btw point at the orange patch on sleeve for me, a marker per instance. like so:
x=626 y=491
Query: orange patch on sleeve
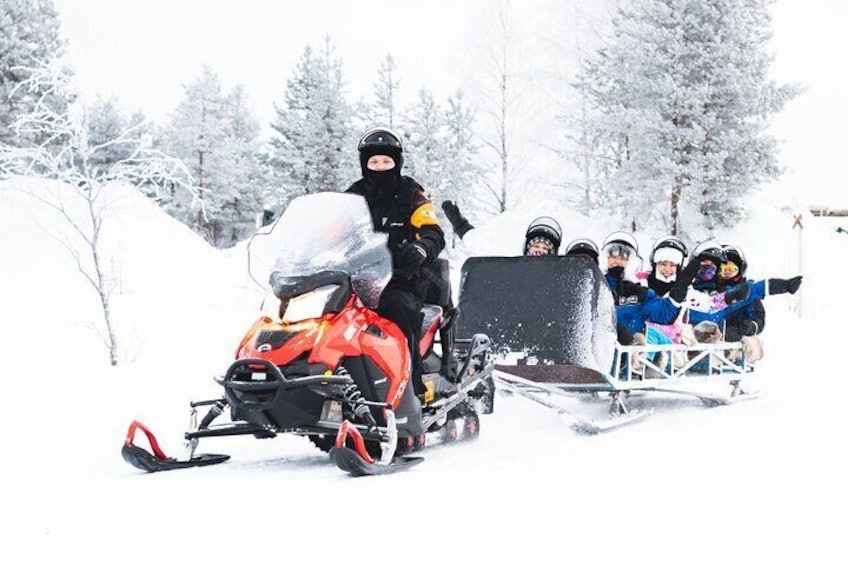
x=424 y=215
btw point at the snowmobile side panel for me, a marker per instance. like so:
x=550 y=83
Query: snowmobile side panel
x=549 y=310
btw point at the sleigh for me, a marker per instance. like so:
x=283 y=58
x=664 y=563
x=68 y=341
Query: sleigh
x=551 y=321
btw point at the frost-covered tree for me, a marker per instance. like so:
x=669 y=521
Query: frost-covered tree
x=215 y=135
x=105 y=121
x=29 y=37
x=502 y=117
x=424 y=142
x=681 y=101
x=384 y=111
x=461 y=170
x=311 y=148
x=69 y=154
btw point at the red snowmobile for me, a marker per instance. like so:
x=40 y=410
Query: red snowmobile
x=320 y=362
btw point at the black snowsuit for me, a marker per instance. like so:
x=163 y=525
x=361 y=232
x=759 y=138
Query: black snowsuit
x=406 y=215
x=749 y=321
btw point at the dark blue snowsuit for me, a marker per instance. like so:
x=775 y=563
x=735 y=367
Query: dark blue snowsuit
x=635 y=305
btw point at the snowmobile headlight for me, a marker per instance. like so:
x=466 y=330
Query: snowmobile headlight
x=309 y=305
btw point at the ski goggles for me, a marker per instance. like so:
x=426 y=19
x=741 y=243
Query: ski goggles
x=619 y=250
x=707 y=272
x=729 y=270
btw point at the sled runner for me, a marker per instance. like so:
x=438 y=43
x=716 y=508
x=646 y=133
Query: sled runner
x=551 y=321
x=321 y=363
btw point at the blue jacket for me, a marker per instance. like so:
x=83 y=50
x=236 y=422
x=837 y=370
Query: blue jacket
x=633 y=310
x=757 y=292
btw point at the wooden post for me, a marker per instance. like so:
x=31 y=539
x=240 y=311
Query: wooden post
x=799 y=225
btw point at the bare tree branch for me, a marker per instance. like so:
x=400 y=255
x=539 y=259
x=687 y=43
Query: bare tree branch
x=65 y=154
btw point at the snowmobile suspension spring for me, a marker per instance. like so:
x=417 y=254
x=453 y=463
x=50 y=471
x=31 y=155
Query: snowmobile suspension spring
x=213 y=413
x=353 y=395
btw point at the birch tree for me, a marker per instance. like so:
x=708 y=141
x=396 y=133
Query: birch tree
x=67 y=154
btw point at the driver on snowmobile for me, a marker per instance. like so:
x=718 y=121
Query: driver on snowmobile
x=399 y=208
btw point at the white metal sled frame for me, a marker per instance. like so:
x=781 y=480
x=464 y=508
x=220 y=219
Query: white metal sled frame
x=649 y=368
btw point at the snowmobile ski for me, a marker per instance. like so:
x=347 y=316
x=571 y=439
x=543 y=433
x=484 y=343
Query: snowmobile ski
x=577 y=423
x=351 y=462
x=142 y=459
x=709 y=400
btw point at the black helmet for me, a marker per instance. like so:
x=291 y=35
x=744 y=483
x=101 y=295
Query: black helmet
x=545 y=228
x=585 y=247
x=735 y=254
x=709 y=250
x=380 y=141
x=674 y=250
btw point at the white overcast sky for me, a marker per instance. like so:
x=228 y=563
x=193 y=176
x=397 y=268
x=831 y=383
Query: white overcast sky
x=144 y=52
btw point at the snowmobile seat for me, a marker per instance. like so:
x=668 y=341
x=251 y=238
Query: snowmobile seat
x=437 y=275
x=432 y=315
x=432 y=363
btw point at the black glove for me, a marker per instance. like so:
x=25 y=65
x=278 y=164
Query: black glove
x=737 y=293
x=409 y=258
x=684 y=280
x=460 y=225
x=630 y=288
x=748 y=327
x=782 y=286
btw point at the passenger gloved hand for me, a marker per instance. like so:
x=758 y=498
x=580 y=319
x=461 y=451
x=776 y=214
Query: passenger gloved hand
x=684 y=280
x=748 y=327
x=737 y=293
x=410 y=257
x=782 y=286
x=460 y=224
x=630 y=288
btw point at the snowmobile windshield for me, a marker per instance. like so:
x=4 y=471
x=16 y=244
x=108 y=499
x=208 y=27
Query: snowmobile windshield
x=322 y=232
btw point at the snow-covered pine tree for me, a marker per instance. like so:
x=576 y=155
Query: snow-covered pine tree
x=461 y=171
x=313 y=147
x=29 y=39
x=425 y=151
x=383 y=111
x=682 y=101
x=106 y=122
x=216 y=137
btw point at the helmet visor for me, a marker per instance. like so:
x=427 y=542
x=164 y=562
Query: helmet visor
x=618 y=250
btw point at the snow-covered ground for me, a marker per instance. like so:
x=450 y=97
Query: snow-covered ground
x=755 y=482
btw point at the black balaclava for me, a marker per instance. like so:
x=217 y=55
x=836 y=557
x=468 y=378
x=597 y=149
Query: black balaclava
x=381 y=183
